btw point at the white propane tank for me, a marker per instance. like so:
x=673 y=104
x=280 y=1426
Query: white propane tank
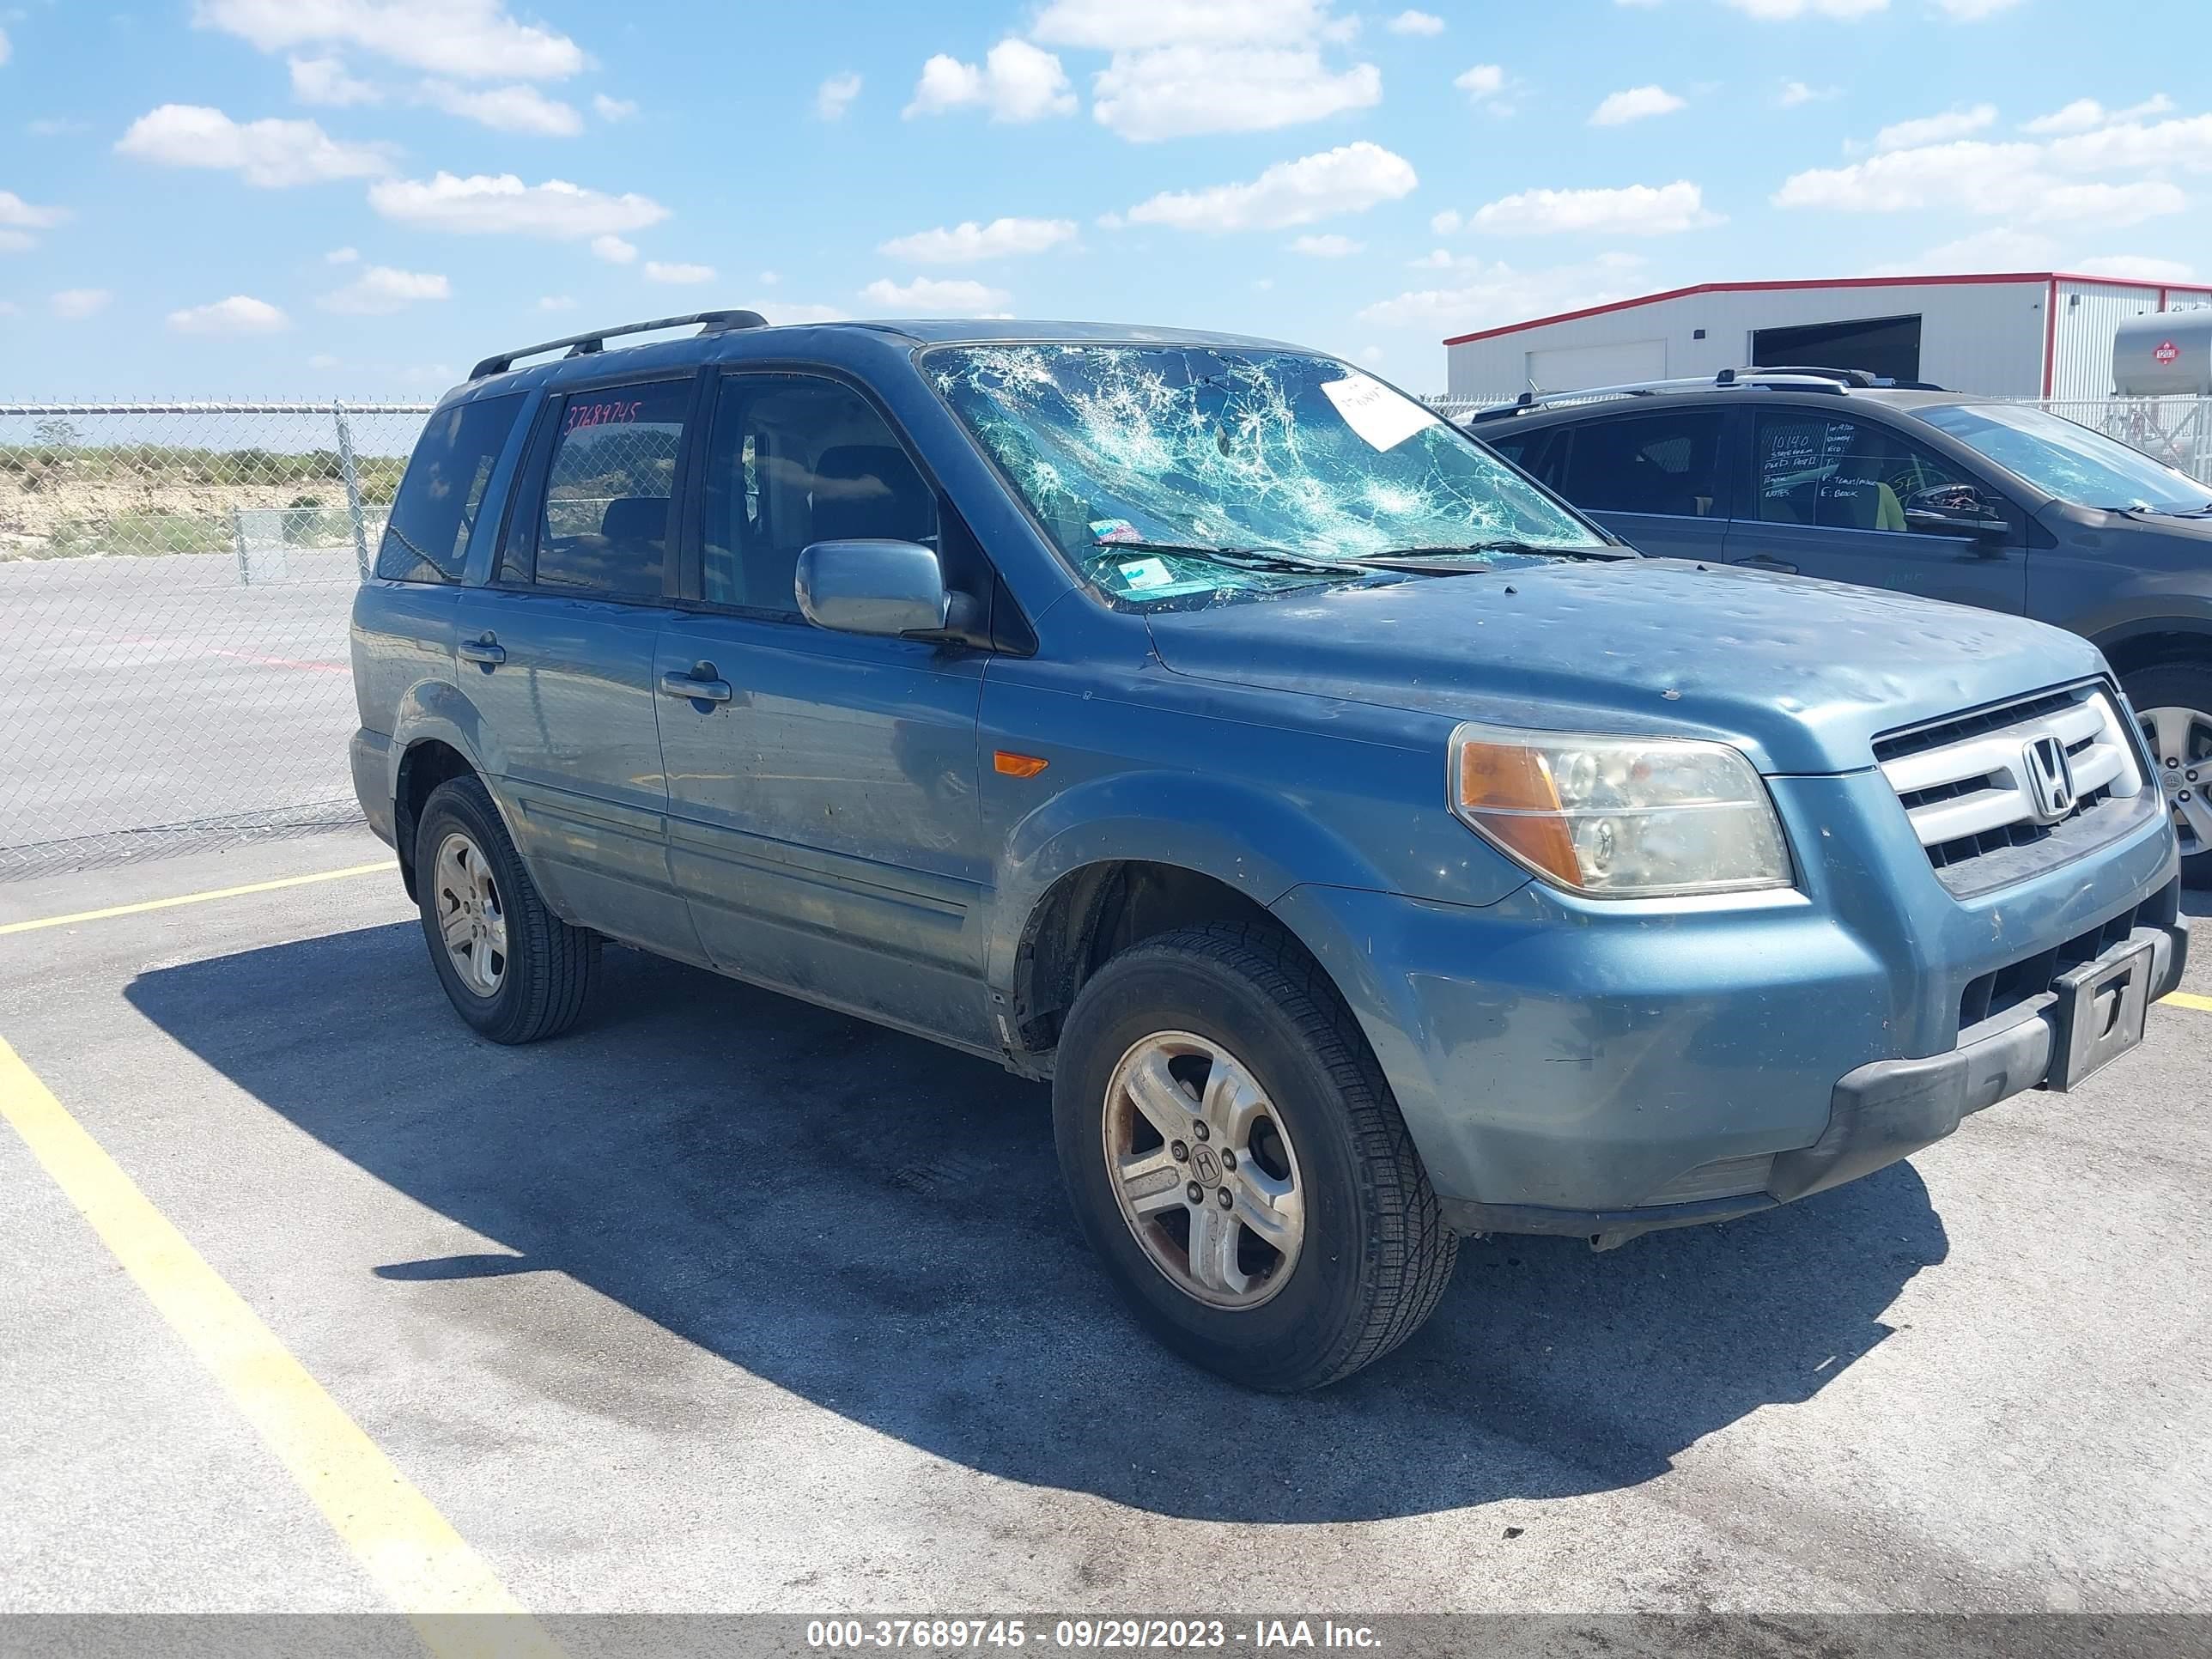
x=2164 y=354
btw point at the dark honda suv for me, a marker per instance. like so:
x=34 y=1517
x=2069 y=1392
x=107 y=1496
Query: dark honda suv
x=1934 y=492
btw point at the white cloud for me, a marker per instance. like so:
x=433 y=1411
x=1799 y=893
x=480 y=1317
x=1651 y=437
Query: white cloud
x=1636 y=104
x=2137 y=267
x=835 y=96
x=966 y=242
x=2185 y=144
x=1632 y=210
x=2086 y=114
x=1780 y=11
x=271 y=154
x=506 y=109
x=380 y=290
x=1348 y=179
x=1972 y=11
x=612 y=110
x=239 y=315
x=1180 y=91
x=325 y=81
x=467 y=40
x=613 y=250
x=656 y=271
x=767 y=279
x=1484 y=81
x=933 y=296
x=1937 y=129
x=1416 y=22
x=1371 y=354
x=342 y=256
x=2009 y=180
x=1446 y=223
x=1496 y=293
x=74 y=305
x=323 y=360
x=17 y=214
x=501 y=205
x=1016 y=81
x=1135 y=25
x=1795 y=93
x=1999 y=248
x=6 y=51
x=556 y=302
x=784 y=315
x=1327 y=246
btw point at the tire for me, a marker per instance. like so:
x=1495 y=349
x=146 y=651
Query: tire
x=523 y=975
x=2170 y=699
x=1371 y=1254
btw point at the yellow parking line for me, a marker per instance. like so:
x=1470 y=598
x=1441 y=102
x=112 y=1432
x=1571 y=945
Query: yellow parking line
x=2189 y=999
x=71 y=920
x=417 y=1560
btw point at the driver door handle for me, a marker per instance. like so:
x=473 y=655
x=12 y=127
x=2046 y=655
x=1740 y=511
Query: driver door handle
x=487 y=650
x=1768 y=562
x=700 y=690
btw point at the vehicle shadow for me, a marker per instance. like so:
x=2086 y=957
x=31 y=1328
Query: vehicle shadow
x=877 y=1224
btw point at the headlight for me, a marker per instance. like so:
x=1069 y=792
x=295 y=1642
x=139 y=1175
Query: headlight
x=1619 y=818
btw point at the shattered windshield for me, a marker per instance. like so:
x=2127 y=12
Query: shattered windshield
x=1165 y=471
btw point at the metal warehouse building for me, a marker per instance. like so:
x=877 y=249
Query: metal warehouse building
x=2038 y=334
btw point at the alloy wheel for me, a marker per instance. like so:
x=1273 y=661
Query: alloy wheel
x=470 y=918
x=1203 y=1170
x=2181 y=741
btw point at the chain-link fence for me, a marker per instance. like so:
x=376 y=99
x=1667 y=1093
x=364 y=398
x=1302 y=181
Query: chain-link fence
x=174 y=585
x=2176 y=430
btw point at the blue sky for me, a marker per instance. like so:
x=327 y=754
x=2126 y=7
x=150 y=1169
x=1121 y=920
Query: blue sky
x=317 y=197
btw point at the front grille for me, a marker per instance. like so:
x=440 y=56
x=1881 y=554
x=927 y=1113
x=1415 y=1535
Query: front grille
x=2005 y=988
x=1969 y=788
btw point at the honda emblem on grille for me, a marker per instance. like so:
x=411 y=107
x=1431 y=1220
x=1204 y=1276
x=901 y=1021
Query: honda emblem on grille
x=2049 y=775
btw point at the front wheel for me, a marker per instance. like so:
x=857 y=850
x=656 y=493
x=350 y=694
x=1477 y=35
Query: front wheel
x=1235 y=1158
x=2173 y=703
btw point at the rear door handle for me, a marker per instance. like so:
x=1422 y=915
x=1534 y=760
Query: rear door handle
x=696 y=690
x=487 y=651
x=1768 y=562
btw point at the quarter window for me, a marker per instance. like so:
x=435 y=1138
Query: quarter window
x=1842 y=474
x=426 y=540
x=1663 y=464
x=610 y=489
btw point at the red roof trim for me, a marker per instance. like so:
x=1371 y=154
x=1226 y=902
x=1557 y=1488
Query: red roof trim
x=2043 y=276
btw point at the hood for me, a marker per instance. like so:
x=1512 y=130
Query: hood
x=1800 y=674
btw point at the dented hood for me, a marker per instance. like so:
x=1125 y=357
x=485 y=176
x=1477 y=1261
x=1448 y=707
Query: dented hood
x=1800 y=674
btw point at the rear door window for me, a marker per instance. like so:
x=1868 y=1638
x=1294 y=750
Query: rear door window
x=604 y=520
x=1842 y=474
x=1666 y=463
x=426 y=540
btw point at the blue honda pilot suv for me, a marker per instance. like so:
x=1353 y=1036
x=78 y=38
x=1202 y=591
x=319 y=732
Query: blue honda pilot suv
x=1368 y=849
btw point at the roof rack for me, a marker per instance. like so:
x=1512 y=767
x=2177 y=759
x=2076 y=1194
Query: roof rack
x=584 y=345
x=1771 y=379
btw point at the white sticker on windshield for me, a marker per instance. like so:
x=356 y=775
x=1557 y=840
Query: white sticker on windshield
x=1146 y=573
x=1377 y=414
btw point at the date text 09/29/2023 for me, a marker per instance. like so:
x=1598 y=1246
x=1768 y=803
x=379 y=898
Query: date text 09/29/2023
x=1126 y=1634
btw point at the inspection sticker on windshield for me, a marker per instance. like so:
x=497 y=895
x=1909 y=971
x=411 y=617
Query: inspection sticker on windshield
x=1146 y=572
x=1114 y=530
x=1377 y=413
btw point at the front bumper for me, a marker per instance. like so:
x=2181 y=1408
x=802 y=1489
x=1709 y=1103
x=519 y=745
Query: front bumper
x=1877 y=1115
x=1571 y=1067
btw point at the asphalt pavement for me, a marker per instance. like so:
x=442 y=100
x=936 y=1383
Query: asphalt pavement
x=722 y=1302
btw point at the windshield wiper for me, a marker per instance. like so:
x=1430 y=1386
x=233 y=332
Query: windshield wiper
x=1240 y=559
x=1468 y=549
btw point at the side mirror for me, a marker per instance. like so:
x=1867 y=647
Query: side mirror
x=884 y=588
x=1953 y=510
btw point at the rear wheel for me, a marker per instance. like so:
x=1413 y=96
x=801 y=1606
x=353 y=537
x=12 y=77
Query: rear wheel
x=1235 y=1158
x=511 y=967
x=2174 y=702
